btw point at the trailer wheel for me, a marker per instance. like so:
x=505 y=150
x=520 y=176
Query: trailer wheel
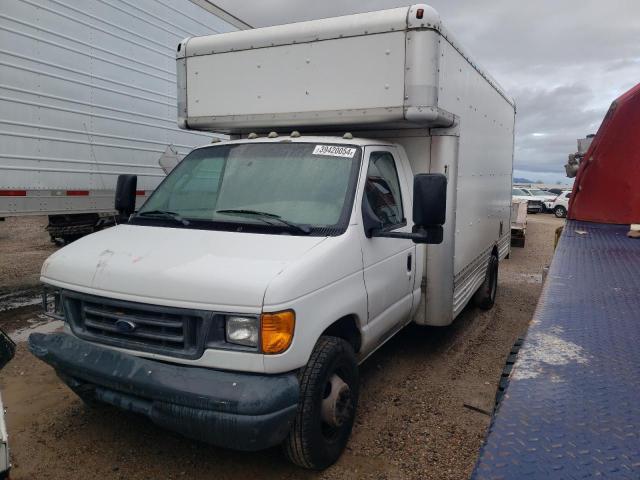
x=485 y=297
x=560 y=211
x=327 y=407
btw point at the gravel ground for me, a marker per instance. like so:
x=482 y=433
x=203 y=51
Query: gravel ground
x=412 y=420
x=24 y=245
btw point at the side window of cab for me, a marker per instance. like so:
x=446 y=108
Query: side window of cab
x=382 y=190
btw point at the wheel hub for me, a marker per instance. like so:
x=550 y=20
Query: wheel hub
x=337 y=406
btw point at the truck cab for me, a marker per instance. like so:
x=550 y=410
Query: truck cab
x=236 y=304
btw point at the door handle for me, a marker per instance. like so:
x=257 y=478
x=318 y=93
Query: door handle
x=409 y=262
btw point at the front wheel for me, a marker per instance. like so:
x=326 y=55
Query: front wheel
x=560 y=211
x=485 y=297
x=327 y=407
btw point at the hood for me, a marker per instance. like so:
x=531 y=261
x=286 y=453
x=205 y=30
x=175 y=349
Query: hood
x=214 y=270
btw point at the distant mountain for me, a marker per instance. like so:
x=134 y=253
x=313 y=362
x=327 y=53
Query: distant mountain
x=522 y=180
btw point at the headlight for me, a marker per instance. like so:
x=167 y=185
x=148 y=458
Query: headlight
x=242 y=331
x=52 y=303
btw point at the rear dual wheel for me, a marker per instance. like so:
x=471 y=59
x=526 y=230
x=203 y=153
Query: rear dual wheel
x=485 y=297
x=327 y=407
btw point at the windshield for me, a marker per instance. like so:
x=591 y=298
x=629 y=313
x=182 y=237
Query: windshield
x=266 y=185
x=517 y=191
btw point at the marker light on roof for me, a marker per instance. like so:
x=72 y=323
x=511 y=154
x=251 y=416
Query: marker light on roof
x=420 y=13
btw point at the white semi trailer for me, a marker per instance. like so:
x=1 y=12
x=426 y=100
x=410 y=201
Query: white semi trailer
x=88 y=92
x=367 y=185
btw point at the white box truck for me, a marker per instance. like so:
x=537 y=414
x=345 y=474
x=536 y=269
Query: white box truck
x=88 y=92
x=367 y=185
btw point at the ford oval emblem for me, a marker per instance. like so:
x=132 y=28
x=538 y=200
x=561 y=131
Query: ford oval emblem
x=125 y=326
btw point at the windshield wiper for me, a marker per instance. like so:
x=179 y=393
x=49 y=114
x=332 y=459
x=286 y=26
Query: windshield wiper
x=265 y=216
x=165 y=214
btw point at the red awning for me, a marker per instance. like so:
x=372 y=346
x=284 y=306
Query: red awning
x=607 y=187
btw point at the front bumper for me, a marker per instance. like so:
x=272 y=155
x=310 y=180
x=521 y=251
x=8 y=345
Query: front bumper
x=235 y=410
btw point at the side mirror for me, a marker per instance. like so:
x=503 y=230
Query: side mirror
x=429 y=200
x=429 y=206
x=126 y=195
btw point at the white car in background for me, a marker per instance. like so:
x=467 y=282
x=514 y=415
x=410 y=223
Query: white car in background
x=560 y=206
x=534 y=204
x=546 y=197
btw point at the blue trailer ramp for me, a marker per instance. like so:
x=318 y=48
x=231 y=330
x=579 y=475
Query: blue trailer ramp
x=572 y=407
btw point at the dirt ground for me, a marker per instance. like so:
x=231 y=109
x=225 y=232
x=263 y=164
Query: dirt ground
x=412 y=420
x=24 y=245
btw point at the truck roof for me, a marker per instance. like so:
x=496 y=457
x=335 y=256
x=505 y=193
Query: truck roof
x=361 y=142
x=369 y=23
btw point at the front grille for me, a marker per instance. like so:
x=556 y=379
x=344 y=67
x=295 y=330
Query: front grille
x=151 y=328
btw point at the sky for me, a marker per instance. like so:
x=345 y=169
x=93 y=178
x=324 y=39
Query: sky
x=563 y=61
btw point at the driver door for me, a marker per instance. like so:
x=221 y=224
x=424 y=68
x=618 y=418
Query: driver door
x=389 y=263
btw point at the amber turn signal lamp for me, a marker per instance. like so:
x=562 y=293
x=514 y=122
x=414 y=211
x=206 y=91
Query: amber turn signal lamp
x=277 y=331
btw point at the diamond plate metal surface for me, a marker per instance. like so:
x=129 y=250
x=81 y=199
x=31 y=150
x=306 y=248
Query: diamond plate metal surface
x=572 y=406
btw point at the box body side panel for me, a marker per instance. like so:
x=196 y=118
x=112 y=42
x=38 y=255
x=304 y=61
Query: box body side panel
x=300 y=80
x=439 y=276
x=485 y=164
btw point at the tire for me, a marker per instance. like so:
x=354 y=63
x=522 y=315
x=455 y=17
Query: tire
x=313 y=443
x=485 y=297
x=560 y=211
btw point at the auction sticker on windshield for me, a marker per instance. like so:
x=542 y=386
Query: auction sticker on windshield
x=334 y=151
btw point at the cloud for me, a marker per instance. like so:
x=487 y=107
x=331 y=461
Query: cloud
x=549 y=121
x=564 y=62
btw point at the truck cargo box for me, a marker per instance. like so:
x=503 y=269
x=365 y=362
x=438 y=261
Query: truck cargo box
x=396 y=68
